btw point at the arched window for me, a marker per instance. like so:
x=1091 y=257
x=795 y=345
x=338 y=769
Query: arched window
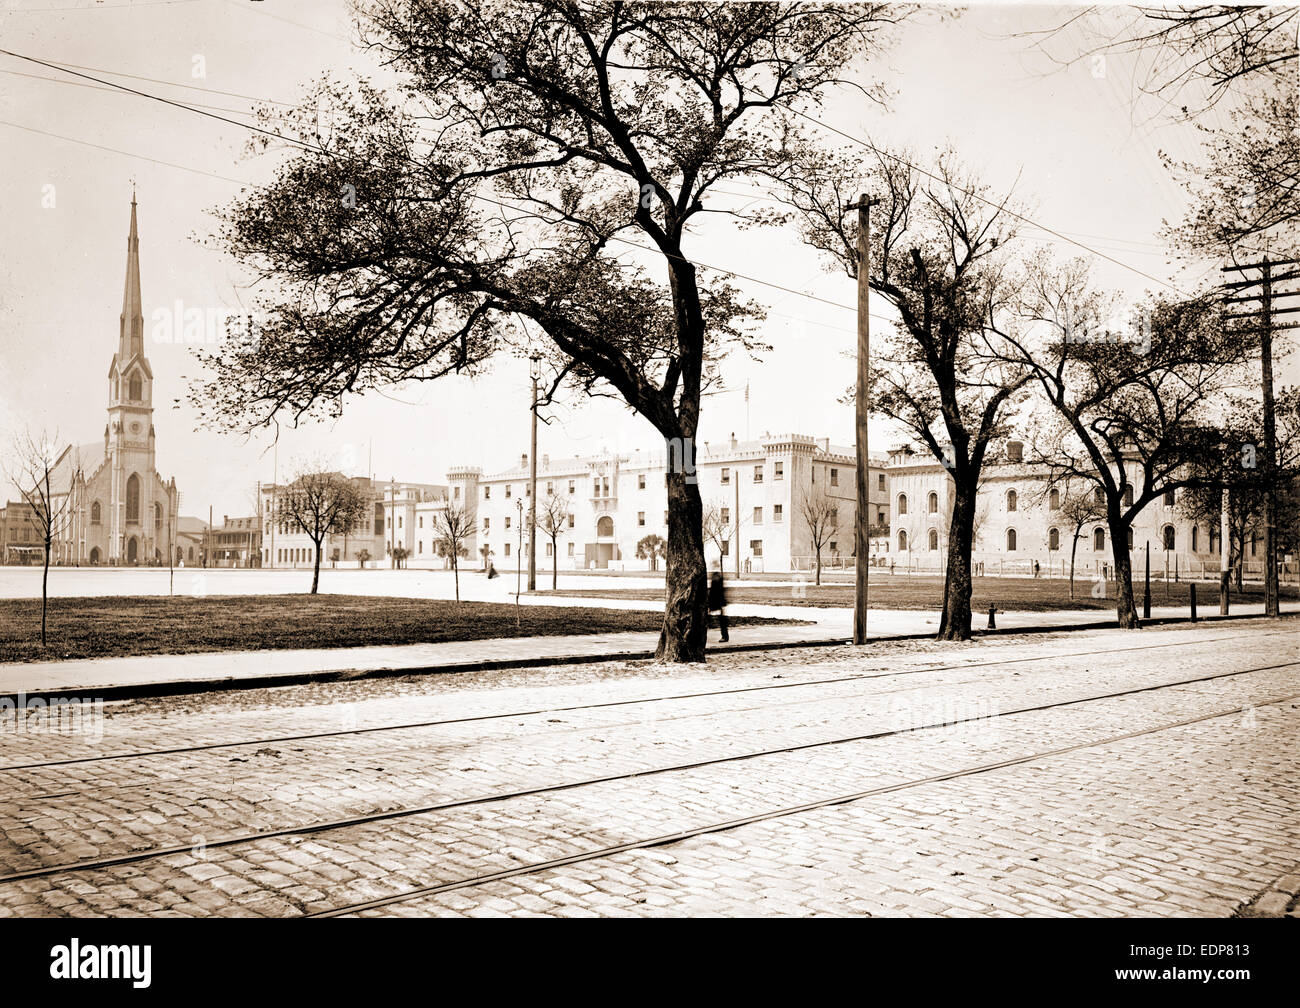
x=1011 y=539
x=605 y=526
x=934 y=502
x=1195 y=539
x=1011 y=500
x=1169 y=498
x=1128 y=496
x=934 y=539
x=133 y=498
x=137 y=388
x=96 y=514
x=902 y=504
x=157 y=514
x=1168 y=536
x=1099 y=539
x=902 y=540
x=1054 y=500
x=1053 y=538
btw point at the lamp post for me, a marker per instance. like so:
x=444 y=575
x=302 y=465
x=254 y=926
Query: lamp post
x=534 y=372
x=519 y=567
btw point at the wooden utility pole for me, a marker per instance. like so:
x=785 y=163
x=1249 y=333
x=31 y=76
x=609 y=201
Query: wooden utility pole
x=1265 y=328
x=1225 y=550
x=532 y=484
x=861 y=540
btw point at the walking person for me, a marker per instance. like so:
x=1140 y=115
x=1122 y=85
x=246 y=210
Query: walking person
x=718 y=600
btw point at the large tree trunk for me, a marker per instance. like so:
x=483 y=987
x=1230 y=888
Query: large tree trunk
x=955 y=621
x=1125 y=609
x=315 y=574
x=685 y=587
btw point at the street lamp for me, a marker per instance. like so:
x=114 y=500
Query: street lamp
x=535 y=373
x=519 y=567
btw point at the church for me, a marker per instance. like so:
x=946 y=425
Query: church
x=115 y=508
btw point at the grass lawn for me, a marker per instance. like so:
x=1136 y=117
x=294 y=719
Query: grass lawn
x=140 y=625
x=926 y=592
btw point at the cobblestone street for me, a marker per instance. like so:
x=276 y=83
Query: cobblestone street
x=1094 y=773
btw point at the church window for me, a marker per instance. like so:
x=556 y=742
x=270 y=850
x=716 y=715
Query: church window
x=137 y=388
x=157 y=513
x=96 y=514
x=133 y=498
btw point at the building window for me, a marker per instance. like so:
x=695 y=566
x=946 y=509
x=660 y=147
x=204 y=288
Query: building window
x=835 y=477
x=507 y=521
x=902 y=504
x=133 y=498
x=902 y=540
x=1054 y=500
x=834 y=546
x=726 y=475
x=880 y=517
x=1098 y=495
x=1195 y=539
x=96 y=513
x=570 y=549
x=726 y=516
x=507 y=549
x=1099 y=539
x=880 y=482
x=778 y=472
x=422 y=524
x=487 y=524
x=1169 y=537
x=640 y=481
x=778 y=512
x=137 y=388
x=934 y=539
x=507 y=491
x=399 y=521
x=487 y=493
x=573 y=486
x=1130 y=537
x=1011 y=500
x=726 y=548
x=548 y=549
x=550 y=489
x=756 y=547
x=1253 y=540
x=421 y=545
x=934 y=503
x=455 y=493
x=640 y=517
x=1053 y=538
x=570 y=521
x=758 y=474
x=758 y=516
x=1128 y=496
x=1011 y=540
x=1169 y=499
x=834 y=516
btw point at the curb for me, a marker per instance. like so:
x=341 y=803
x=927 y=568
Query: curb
x=189 y=687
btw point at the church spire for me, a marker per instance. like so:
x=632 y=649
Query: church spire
x=131 y=336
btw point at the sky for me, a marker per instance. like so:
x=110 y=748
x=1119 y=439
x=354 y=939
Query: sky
x=1075 y=136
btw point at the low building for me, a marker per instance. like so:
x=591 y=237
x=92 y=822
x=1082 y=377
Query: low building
x=237 y=542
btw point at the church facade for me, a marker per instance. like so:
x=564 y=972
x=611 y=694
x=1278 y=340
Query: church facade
x=115 y=508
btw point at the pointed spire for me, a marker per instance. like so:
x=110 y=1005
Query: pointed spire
x=131 y=336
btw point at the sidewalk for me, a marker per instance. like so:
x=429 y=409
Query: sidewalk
x=162 y=675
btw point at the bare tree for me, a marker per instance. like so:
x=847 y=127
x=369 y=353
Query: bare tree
x=320 y=504
x=1134 y=396
x=820 y=512
x=565 y=133
x=35 y=463
x=938 y=255
x=453 y=527
x=553 y=514
x=720 y=527
x=1079 y=507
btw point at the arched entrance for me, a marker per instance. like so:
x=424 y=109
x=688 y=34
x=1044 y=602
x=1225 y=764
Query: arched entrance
x=604 y=550
x=94 y=554
x=132 y=551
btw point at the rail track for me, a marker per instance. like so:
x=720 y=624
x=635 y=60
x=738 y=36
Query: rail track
x=538 y=711
x=134 y=857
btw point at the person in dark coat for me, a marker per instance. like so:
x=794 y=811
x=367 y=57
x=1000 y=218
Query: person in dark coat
x=718 y=600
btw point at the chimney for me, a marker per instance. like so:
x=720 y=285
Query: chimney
x=733 y=440
x=546 y=461
x=523 y=461
x=1015 y=451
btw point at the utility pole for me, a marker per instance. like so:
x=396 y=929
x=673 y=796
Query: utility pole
x=735 y=475
x=1265 y=329
x=1225 y=550
x=534 y=372
x=861 y=541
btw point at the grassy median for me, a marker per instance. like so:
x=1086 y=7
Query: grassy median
x=104 y=627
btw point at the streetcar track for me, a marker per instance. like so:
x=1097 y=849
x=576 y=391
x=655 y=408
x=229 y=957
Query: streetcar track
x=142 y=754
x=731 y=824
x=92 y=864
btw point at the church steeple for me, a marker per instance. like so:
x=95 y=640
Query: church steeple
x=131 y=337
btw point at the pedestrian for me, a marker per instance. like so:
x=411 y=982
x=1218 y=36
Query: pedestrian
x=492 y=571
x=718 y=600
x=1035 y=568
x=891 y=566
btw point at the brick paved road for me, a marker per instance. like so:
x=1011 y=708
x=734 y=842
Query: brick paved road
x=1198 y=819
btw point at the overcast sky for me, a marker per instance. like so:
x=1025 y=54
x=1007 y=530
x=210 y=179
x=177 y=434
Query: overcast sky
x=1082 y=140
